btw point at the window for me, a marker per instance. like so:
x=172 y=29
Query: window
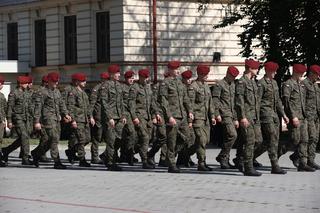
x=40 y=42
x=12 y=38
x=103 y=37
x=70 y=39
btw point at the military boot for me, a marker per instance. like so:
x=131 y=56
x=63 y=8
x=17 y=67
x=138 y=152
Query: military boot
x=103 y=157
x=84 y=163
x=313 y=165
x=113 y=167
x=146 y=165
x=203 y=167
x=5 y=156
x=96 y=161
x=173 y=169
x=250 y=171
x=70 y=156
x=295 y=160
x=59 y=165
x=35 y=159
x=44 y=159
x=163 y=163
x=224 y=164
x=2 y=164
x=238 y=164
x=256 y=164
x=303 y=167
x=27 y=162
x=276 y=169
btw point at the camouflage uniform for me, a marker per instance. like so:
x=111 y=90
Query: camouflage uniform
x=79 y=108
x=175 y=103
x=18 y=115
x=3 y=110
x=247 y=106
x=223 y=95
x=294 y=105
x=49 y=109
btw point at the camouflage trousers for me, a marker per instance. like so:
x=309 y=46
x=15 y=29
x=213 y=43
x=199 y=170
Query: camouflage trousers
x=23 y=132
x=202 y=138
x=49 y=139
x=229 y=137
x=270 y=135
x=79 y=138
x=2 y=128
x=298 y=141
x=159 y=142
x=249 y=137
x=174 y=146
x=97 y=133
x=143 y=129
x=129 y=138
x=313 y=132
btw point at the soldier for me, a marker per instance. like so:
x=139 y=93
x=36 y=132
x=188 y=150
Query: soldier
x=3 y=109
x=175 y=105
x=271 y=106
x=97 y=130
x=114 y=117
x=49 y=109
x=204 y=115
x=248 y=109
x=17 y=117
x=78 y=107
x=128 y=133
x=293 y=95
x=184 y=157
x=142 y=114
x=313 y=112
x=223 y=96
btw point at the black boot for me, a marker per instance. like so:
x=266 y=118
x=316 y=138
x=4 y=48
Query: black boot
x=238 y=164
x=163 y=163
x=96 y=161
x=2 y=163
x=5 y=156
x=249 y=170
x=35 y=159
x=113 y=167
x=27 y=162
x=256 y=164
x=303 y=167
x=203 y=167
x=145 y=165
x=84 y=163
x=276 y=169
x=59 y=165
x=103 y=157
x=313 y=165
x=44 y=159
x=224 y=164
x=173 y=169
x=294 y=160
x=70 y=155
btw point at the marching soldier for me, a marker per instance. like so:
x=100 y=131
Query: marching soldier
x=3 y=110
x=248 y=109
x=176 y=108
x=293 y=96
x=271 y=106
x=114 y=117
x=17 y=117
x=223 y=95
x=97 y=130
x=78 y=107
x=49 y=109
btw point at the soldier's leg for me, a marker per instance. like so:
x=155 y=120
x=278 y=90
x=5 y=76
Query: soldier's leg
x=54 y=134
x=171 y=145
x=313 y=131
x=202 y=133
x=42 y=147
x=83 y=137
x=95 y=140
x=23 y=133
x=160 y=143
x=2 y=126
x=143 y=132
x=303 y=147
x=229 y=137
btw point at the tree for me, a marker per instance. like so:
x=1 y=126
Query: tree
x=288 y=30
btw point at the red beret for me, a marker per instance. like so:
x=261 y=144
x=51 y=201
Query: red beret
x=271 y=66
x=144 y=73
x=53 y=77
x=252 y=63
x=1 y=79
x=203 y=69
x=233 y=71
x=45 y=78
x=114 y=68
x=299 y=68
x=129 y=74
x=22 y=79
x=173 y=64
x=104 y=75
x=30 y=79
x=79 y=77
x=186 y=74
x=315 y=68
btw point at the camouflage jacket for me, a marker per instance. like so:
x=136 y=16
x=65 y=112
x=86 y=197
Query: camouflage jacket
x=78 y=105
x=3 y=107
x=95 y=102
x=18 y=109
x=173 y=98
x=223 y=95
x=271 y=104
x=112 y=100
x=312 y=99
x=125 y=94
x=247 y=103
x=293 y=95
x=49 y=107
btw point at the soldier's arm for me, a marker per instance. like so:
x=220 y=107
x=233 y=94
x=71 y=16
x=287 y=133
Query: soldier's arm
x=62 y=107
x=286 y=93
x=163 y=99
x=11 y=100
x=132 y=102
x=71 y=101
x=239 y=99
x=38 y=103
x=216 y=98
x=104 y=102
x=186 y=101
x=279 y=105
x=212 y=111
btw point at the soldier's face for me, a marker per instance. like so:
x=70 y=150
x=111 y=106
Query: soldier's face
x=24 y=86
x=254 y=71
x=52 y=84
x=30 y=85
x=130 y=80
x=115 y=76
x=82 y=84
x=174 y=72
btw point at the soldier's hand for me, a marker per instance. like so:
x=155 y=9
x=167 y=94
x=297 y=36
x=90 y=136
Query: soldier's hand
x=236 y=124
x=172 y=121
x=136 y=121
x=154 y=121
x=190 y=125
x=37 y=126
x=111 y=122
x=213 y=122
x=124 y=120
x=67 y=119
x=295 y=122
x=92 y=121
x=191 y=116
x=244 y=122
x=286 y=119
x=219 y=119
x=74 y=125
x=159 y=119
x=10 y=125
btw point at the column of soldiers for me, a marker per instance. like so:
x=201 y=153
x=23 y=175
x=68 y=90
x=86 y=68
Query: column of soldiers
x=174 y=116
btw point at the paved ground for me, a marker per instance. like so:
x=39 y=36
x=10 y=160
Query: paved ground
x=30 y=190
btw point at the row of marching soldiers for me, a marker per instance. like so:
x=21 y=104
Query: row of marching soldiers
x=174 y=116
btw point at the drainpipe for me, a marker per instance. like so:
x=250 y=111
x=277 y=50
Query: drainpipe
x=154 y=36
